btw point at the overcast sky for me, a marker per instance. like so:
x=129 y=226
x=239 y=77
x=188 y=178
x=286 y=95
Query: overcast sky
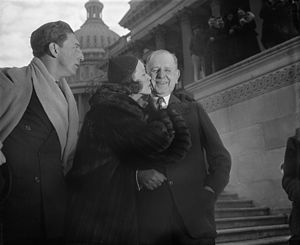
x=18 y=18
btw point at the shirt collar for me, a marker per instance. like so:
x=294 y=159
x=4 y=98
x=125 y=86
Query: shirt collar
x=165 y=103
x=167 y=98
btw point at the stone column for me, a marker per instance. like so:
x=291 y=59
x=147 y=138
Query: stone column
x=215 y=8
x=186 y=34
x=160 y=38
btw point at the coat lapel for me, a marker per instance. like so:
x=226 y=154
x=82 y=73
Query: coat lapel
x=180 y=107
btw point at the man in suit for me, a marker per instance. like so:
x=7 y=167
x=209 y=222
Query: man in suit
x=38 y=135
x=291 y=183
x=176 y=202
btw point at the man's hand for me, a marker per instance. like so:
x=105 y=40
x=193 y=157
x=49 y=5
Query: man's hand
x=151 y=178
x=2 y=158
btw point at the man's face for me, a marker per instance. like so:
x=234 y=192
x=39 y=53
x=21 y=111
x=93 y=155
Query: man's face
x=163 y=72
x=220 y=23
x=230 y=17
x=69 y=56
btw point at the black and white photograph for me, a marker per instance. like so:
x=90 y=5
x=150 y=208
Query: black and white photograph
x=150 y=122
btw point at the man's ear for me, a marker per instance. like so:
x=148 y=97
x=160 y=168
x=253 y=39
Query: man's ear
x=53 y=49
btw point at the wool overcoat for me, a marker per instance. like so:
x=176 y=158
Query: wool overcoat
x=187 y=177
x=291 y=182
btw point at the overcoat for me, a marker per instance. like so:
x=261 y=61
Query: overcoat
x=291 y=181
x=35 y=205
x=187 y=177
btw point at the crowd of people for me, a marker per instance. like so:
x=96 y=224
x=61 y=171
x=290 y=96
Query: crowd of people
x=232 y=37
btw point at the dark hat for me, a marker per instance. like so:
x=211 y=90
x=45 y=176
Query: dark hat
x=121 y=68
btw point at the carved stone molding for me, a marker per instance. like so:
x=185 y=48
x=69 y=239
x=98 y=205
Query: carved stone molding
x=252 y=88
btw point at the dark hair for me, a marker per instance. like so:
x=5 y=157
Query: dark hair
x=120 y=71
x=50 y=32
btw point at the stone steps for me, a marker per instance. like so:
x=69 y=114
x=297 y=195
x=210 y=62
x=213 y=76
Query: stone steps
x=236 y=222
x=277 y=240
x=248 y=233
x=228 y=196
x=234 y=204
x=241 y=212
x=240 y=222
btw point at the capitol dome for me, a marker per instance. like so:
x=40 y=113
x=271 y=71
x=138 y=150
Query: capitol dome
x=94 y=35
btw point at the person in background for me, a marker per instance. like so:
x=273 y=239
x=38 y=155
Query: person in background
x=291 y=183
x=197 y=50
x=279 y=21
x=176 y=201
x=232 y=29
x=38 y=135
x=123 y=130
x=217 y=45
x=247 y=43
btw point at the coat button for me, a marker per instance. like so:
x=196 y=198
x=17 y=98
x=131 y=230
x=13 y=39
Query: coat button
x=170 y=182
x=27 y=127
x=37 y=179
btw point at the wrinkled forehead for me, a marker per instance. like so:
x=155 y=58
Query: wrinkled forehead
x=161 y=60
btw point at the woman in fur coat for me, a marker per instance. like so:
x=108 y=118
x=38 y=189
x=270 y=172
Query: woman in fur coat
x=122 y=131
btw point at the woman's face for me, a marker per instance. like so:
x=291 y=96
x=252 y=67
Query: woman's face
x=142 y=77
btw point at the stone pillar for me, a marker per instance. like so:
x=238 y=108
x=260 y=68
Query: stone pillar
x=160 y=38
x=186 y=34
x=215 y=8
x=137 y=48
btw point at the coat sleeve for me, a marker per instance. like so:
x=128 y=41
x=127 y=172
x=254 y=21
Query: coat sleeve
x=218 y=158
x=290 y=181
x=179 y=145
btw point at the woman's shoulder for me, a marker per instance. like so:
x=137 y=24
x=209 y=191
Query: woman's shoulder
x=114 y=105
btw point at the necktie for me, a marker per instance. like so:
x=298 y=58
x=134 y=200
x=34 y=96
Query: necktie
x=160 y=101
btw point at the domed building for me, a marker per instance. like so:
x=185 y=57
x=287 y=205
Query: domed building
x=94 y=37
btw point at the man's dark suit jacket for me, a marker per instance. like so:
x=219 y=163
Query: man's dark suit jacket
x=187 y=178
x=291 y=182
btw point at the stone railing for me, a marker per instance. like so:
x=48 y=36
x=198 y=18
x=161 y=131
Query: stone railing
x=269 y=70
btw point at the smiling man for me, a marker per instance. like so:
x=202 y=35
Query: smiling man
x=176 y=202
x=38 y=134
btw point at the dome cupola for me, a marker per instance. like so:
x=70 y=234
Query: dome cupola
x=94 y=10
x=94 y=37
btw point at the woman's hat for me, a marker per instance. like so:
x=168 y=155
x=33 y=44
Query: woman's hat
x=121 y=68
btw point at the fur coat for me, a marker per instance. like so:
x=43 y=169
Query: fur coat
x=118 y=136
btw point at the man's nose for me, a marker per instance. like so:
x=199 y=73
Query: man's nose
x=160 y=73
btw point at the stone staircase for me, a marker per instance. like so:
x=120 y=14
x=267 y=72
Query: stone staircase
x=240 y=222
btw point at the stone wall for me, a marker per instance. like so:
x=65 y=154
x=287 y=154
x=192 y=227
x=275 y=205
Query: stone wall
x=255 y=107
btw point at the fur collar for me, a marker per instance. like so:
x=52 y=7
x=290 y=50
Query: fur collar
x=115 y=97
